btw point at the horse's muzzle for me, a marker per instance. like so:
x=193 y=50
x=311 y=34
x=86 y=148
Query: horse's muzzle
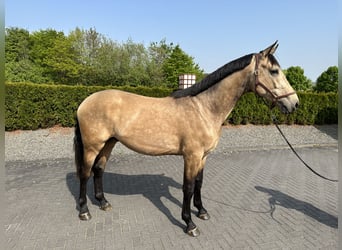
x=288 y=106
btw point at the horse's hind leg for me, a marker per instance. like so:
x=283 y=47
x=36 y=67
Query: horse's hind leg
x=98 y=170
x=84 y=175
x=94 y=162
x=82 y=201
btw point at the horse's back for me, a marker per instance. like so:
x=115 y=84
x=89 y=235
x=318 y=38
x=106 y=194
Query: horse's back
x=110 y=95
x=105 y=100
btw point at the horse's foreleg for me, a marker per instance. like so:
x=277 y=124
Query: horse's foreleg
x=188 y=191
x=192 y=165
x=202 y=212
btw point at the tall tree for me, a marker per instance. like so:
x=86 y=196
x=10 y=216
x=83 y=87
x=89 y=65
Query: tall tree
x=53 y=52
x=87 y=57
x=328 y=80
x=158 y=53
x=86 y=44
x=297 y=79
x=19 y=66
x=18 y=44
x=179 y=63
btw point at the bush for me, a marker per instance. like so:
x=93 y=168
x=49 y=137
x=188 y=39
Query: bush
x=314 y=108
x=33 y=106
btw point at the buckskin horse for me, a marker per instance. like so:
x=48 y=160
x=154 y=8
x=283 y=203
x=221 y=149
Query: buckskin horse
x=187 y=123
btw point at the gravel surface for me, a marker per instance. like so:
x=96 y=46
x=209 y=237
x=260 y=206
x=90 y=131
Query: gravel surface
x=42 y=144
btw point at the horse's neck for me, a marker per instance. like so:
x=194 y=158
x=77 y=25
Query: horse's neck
x=220 y=99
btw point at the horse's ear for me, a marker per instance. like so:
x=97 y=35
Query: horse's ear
x=270 y=50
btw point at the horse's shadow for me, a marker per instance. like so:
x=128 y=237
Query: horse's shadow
x=152 y=187
x=289 y=202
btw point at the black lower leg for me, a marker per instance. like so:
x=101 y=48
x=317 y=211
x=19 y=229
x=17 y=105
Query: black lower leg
x=202 y=212
x=98 y=188
x=188 y=191
x=84 y=211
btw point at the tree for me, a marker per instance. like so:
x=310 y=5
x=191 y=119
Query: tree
x=89 y=58
x=19 y=66
x=179 y=63
x=24 y=71
x=53 y=51
x=158 y=53
x=86 y=44
x=328 y=80
x=18 y=44
x=62 y=63
x=297 y=79
x=106 y=62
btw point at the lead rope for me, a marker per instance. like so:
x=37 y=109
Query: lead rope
x=295 y=152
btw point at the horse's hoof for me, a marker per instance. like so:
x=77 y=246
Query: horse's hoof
x=106 y=207
x=84 y=216
x=204 y=216
x=194 y=232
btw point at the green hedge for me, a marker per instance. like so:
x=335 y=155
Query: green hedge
x=33 y=106
x=314 y=108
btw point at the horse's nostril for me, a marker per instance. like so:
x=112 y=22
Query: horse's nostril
x=297 y=105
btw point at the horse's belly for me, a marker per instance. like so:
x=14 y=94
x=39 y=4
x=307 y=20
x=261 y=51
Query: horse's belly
x=148 y=131
x=151 y=145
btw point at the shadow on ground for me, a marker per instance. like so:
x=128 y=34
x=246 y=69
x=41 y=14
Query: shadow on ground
x=330 y=130
x=152 y=187
x=280 y=199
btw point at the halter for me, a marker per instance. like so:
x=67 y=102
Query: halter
x=258 y=83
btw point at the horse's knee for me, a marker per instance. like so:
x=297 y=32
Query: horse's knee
x=85 y=174
x=188 y=190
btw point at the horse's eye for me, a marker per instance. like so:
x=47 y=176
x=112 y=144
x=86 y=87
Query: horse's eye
x=274 y=72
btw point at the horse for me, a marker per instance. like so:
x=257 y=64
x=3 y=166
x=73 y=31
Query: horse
x=186 y=123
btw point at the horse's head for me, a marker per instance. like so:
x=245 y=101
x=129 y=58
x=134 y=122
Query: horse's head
x=271 y=83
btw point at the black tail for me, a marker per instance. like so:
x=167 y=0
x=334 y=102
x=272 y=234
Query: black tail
x=78 y=148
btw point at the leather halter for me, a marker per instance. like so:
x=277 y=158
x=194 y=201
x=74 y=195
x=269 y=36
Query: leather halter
x=275 y=98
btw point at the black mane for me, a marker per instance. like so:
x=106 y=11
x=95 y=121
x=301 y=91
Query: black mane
x=214 y=77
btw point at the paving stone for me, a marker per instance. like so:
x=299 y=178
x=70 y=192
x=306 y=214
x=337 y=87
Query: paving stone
x=257 y=199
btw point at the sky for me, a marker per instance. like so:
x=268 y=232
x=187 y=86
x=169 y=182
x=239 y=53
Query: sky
x=213 y=32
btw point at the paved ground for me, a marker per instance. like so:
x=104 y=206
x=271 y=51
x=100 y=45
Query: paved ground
x=258 y=194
